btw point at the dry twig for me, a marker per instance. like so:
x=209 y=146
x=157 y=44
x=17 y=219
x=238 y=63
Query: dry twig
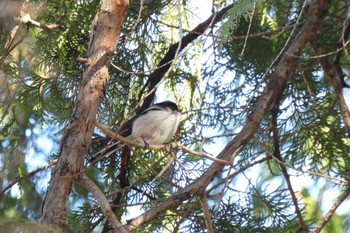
x=103 y=203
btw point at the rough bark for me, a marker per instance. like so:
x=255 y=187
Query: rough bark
x=272 y=91
x=77 y=136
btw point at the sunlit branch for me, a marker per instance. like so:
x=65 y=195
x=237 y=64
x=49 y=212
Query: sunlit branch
x=26 y=176
x=335 y=180
x=331 y=211
x=249 y=28
x=206 y=212
x=234 y=174
x=171 y=147
x=37 y=24
x=102 y=201
x=24 y=19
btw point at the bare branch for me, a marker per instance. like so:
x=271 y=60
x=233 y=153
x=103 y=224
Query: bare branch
x=172 y=146
x=330 y=213
x=32 y=22
x=103 y=203
x=25 y=18
x=335 y=180
x=26 y=176
x=206 y=212
x=277 y=154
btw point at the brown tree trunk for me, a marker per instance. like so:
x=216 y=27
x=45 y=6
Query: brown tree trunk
x=77 y=136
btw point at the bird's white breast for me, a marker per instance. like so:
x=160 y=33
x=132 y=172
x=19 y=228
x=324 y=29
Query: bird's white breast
x=155 y=127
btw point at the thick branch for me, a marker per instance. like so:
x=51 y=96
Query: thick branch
x=78 y=134
x=273 y=89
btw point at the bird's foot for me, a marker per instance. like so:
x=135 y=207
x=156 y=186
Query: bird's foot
x=146 y=143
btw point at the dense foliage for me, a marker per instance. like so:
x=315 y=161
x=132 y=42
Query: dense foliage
x=217 y=80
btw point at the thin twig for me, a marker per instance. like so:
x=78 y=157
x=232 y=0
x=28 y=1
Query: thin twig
x=249 y=27
x=222 y=192
x=150 y=167
x=19 y=179
x=102 y=201
x=137 y=21
x=335 y=180
x=37 y=24
x=231 y=176
x=173 y=146
x=277 y=154
x=160 y=174
x=140 y=177
x=323 y=55
x=331 y=211
x=206 y=212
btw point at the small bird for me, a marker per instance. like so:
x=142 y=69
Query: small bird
x=157 y=124
x=154 y=126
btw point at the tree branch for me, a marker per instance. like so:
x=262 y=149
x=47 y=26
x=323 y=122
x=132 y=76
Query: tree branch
x=171 y=147
x=341 y=44
x=206 y=212
x=26 y=176
x=335 y=82
x=273 y=89
x=330 y=213
x=277 y=154
x=103 y=203
x=164 y=65
x=24 y=19
x=77 y=136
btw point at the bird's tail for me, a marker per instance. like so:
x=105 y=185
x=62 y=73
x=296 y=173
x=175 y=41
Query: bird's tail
x=110 y=149
x=105 y=152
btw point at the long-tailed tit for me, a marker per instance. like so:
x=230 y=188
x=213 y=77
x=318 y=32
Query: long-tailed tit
x=154 y=126
x=157 y=124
